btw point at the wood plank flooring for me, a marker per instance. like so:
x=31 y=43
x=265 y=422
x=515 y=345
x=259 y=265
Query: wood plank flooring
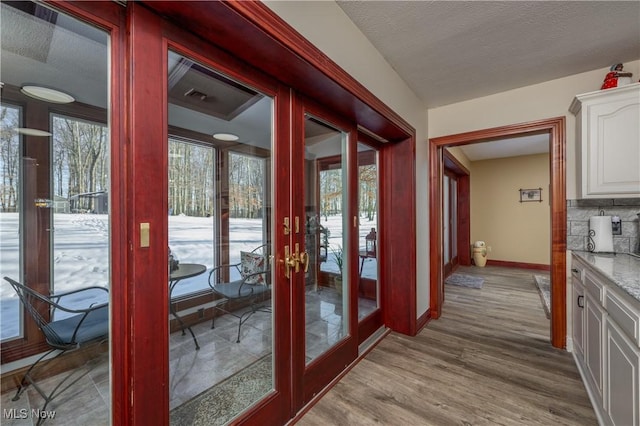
x=486 y=361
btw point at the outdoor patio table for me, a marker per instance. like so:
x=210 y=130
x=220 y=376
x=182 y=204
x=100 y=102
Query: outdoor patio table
x=185 y=270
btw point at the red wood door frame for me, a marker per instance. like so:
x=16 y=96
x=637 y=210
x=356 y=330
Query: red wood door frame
x=310 y=379
x=555 y=127
x=463 y=175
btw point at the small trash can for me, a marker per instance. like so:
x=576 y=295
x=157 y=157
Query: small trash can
x=479 y=253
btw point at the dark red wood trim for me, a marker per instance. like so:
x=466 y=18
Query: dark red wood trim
x=368 y=325
x=558 y=194
x=555 y=127
x=148 y=133
x=241 y=26
x=398 y=241
x=423 y=321
x=435 y=231
x=523 y=265
x=454 y=165
x=464 y=220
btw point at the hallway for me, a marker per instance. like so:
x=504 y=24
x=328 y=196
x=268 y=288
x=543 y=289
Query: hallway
x=487 y=360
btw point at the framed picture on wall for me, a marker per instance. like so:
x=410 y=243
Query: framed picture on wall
x=534 y=194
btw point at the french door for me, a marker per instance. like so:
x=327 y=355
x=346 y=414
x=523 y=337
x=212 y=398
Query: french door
x=324 y=237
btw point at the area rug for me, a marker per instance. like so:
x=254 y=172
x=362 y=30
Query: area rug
x=218 y=405
x=463 y=280
x=544 y=288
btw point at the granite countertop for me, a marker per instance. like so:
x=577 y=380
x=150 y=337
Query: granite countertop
x=623 y=269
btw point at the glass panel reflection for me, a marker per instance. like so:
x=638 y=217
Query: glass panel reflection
x=221 y=341
x=54 y=212
x=326 y=209
x=368 y=288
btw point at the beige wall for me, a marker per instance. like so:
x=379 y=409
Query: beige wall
x=515 y=231
x=540 y=101
x=352 y=51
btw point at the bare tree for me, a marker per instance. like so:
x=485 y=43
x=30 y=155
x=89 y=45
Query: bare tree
x=9 y=158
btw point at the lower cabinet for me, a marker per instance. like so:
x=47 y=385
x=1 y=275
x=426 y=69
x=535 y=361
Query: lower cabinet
x=594 y=332
x=606 y=344
x=623 y=378
x=578 y=317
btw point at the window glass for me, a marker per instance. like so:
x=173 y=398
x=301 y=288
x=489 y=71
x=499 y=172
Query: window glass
x=80 y=208
x=368 y=241
x=221 y=322
x=10 y=258
x=54 y=210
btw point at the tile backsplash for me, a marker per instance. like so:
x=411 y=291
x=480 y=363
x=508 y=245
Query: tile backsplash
x=579 y=212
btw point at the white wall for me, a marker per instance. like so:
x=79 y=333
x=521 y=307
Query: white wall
x=351 y=50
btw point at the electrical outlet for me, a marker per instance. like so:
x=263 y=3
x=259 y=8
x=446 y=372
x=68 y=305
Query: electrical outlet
x=489 y=248
x=616 y=225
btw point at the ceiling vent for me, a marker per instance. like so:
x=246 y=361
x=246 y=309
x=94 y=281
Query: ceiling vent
x=196 y=94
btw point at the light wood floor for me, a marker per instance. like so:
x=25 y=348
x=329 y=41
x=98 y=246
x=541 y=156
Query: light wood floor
x=486 y=361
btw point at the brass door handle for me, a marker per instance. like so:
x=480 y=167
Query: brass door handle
x=304 y=259
x=291 y=261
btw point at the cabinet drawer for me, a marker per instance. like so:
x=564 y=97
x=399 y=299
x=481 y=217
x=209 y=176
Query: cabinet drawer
x=625 y=316
x=594 y=287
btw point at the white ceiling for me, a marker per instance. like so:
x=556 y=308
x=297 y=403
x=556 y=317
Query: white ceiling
x=512 y=147
x=451 y=51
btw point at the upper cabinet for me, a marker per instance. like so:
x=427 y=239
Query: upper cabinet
x=608 y=142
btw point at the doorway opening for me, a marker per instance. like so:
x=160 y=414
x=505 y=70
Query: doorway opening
x=555 y=128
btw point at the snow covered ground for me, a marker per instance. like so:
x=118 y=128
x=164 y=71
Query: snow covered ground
x=81 y=254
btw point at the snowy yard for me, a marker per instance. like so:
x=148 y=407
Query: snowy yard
x=81 y=253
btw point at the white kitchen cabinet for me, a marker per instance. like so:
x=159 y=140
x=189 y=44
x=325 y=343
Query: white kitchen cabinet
x=622 y=378
x=593 y=342
x=608 y=142
x=606 y=345
x=577 y=312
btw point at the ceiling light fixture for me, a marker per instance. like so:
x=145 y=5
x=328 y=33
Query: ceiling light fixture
x=47 y=94
x=31 y=132
x=229 y=137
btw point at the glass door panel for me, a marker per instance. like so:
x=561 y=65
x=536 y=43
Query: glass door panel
x=220 y=238
x=55 y=217
x=326 y=296
x=368 y=287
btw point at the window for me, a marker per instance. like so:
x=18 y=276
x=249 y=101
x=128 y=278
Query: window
x=80 y=205
x=10 y=222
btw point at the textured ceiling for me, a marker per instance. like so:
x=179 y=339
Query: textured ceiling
x=450 y=51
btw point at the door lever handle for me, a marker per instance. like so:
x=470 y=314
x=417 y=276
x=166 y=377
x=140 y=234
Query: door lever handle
x=304 y=259
x=291 y=261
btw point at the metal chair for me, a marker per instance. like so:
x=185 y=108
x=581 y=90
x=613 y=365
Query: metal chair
x=252 y=289
x=80 y=327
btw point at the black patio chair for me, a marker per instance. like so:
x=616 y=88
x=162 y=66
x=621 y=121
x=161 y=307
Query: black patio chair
x=252 y=289
x=80 y=327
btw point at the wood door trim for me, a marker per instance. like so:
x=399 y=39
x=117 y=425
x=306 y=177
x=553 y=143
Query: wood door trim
x=555 y=127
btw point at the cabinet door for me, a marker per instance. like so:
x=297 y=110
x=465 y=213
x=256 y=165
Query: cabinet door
x=622 y=378
x=577 y=311
x=593 y=345
x=613 y=131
